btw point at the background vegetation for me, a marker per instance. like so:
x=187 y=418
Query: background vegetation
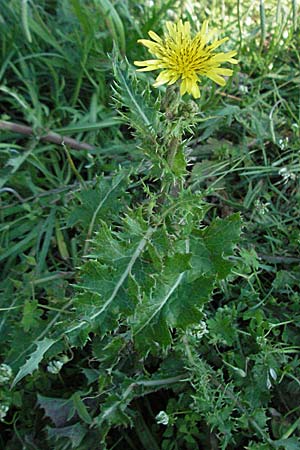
x=232 y=381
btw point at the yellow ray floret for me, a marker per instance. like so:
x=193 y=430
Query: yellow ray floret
x=183 y=58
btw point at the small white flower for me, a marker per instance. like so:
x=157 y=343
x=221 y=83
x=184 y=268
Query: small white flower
x=243 y=89
x=3 y=410
x=262 y=207
x=56 y=365
x=285 y=34
x=248 y=21
x=273 y=374
x=199 y=330
x=149 y=3
x=287 y=174
x=5 y=373
x=162 y=418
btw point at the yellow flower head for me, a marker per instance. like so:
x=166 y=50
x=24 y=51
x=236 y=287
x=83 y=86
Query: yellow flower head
x=185 y=58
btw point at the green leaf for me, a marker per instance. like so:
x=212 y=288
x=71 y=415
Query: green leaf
x=141 y=109
x=22 y=245
x=186 y=309
x=292 y=443
x=100 y=202
x=105 y=284
x=222 y=326
x=108 y=351
x=114 y=23
x=212 y=246
x=60 y=411
x=81 y=408
x=173 y=303
x=75 y=433
x=184 y=284
x=91 y=375
x=114 y=409
x=81 y=15
x=149 y=323
x=31 y=315
x=35 y=358
x=179 y=162
x=61 y=243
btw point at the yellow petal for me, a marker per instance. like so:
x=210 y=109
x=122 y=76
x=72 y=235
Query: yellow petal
x=195 y=91
x=204 y=27
x=146 y=69
x=183 y=88
x=216 y=78
x=149 y=62
x=163 y=78
x=223 y=71
x=173 y=79
x=189 y=85
x=153 y=46
x=225 y=57
x=232 y=53
x=155 y=37
x=187 y=30
x=217 y=44
x=172 y=29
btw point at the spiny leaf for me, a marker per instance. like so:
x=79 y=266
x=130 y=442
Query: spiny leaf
x=177 y=297
x=57 y=409
x=292 y=443
x=99 y=202
x=142 y=108
x=33 y=362
x=75 y=433
x=105 y=283
x=31 y=315
x=214 y=244
x=173 y=303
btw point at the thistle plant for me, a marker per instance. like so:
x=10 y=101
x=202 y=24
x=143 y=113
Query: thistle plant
x=153 y=263
x=127 y=319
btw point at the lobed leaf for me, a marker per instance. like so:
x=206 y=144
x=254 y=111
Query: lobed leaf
x=32 y=363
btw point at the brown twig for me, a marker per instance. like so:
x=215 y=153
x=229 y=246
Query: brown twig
x=49 y=137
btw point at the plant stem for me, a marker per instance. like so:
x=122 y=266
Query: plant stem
x=173 y=147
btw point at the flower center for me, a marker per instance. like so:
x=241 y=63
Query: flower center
x=186 y=58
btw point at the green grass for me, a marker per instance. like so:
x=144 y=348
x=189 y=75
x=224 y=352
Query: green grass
x=57 y=75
